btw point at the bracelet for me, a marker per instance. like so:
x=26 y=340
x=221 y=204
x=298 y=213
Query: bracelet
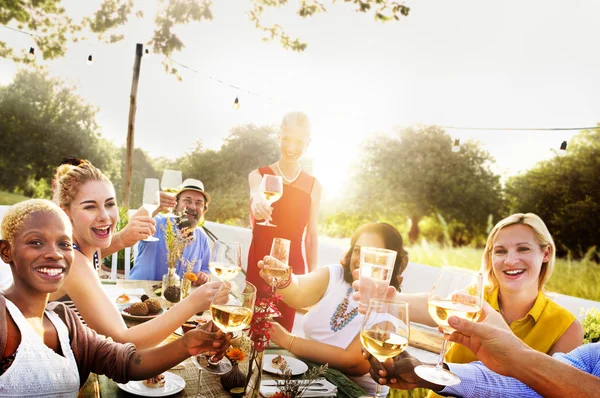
x=285 y=283
x=291 y=342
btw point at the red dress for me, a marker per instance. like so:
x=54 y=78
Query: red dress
x=290 y=214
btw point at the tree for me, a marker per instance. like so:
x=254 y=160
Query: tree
x=42 y=120
x=565 y=193
x=53 y=28
x=416 y=174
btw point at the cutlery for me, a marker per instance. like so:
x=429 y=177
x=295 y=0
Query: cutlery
x=274 y=384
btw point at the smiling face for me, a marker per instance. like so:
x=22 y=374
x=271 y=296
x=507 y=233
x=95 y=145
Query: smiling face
x=94 y=214
x=41 y=253
x=367 y=239
x=517 y=258
x=193 y=203
x=293 y=142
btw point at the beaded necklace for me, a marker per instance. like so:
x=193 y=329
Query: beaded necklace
x=340 y=317
x=283 y=175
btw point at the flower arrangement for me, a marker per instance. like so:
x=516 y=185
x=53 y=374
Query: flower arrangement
x=591 y=325
x=176 y=240
x=289 y=388
x=235 y=355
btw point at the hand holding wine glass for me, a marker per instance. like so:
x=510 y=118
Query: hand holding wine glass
x=170 y=183
x=385 y=330
x=277 y=267
x=151 y=200
x=271 y=188
x=456 y=292
x=376 y=269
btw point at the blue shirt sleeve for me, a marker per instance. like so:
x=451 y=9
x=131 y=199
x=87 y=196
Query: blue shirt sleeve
x=479 y=381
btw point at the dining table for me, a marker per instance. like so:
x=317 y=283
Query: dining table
x=209 y=385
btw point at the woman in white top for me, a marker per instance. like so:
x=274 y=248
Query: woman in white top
x=332 y=325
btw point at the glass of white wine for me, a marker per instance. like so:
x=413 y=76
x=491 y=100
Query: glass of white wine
x=456 y=292
x=271 y=188
x=151 y=200
x=385 y=330
x=170 y=183
x=376 y=269
x=225 y=261
x=280 y=251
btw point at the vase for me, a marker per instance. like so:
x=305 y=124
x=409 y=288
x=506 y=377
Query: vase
x=171 y=286
x=186 y=284
x=254 y=376
x=235 y=378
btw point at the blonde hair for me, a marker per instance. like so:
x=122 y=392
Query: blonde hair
x=17 y=214
x=296 y=120
x=72 y=180
x=542 y=236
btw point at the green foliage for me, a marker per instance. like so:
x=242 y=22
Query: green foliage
x=54 y=29
x=42 y=120
x=591 y=325
x=415 y=174
x=565 y=193
x=8 y=199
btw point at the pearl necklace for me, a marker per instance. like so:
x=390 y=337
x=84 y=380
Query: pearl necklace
x=283 y=175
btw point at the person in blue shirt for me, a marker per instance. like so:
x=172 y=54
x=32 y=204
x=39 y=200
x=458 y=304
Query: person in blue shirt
x=191 y=203
x=508 y=367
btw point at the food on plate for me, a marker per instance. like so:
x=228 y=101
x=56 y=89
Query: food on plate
x=153 y=306
x=138 y=309
x=279 y=362
x=123 y=299
x=155 y=382
x=144 y=297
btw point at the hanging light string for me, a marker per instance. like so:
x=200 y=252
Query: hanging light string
x=522 y=128
x=21 y=31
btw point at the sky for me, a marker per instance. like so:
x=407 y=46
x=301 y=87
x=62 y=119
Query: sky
x=469 y=63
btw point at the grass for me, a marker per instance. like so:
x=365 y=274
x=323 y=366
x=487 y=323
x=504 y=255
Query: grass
x=11 y=198
x=570 y=277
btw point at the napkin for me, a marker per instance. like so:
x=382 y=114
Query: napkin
x=331 y=389
x=113 y=292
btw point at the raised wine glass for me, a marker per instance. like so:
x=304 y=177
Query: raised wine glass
x=457 y=292
x=280 y=251
x=225 y=261
x=271 y=187
x=385 y=330
x=170 y=183
x=231 y=311
x=376 y=268
x=151 y=200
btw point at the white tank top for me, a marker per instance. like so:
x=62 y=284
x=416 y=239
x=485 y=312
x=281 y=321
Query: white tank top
x=38 y=371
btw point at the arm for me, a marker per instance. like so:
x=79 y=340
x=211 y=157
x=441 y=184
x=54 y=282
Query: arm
x=311 y=240
x=140 y=226
x=304 y=290
x=348 y=361
x=260 y=208
x=100 y=313
x=571 y=339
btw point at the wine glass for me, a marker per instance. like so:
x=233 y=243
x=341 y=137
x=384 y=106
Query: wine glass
x=385 y=330
x=151 y=200
x=170 y=183
x=457 y=292
x=202 y=361
x=225 y=261
x=271 y=188
x=231 y=311
x=280 y=251
x=376 y=268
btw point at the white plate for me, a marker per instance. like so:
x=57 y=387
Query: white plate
x=127 y=315
x=173 y=384
x=296 y=366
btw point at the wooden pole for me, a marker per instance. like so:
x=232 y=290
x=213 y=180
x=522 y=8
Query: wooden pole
x=131 y=124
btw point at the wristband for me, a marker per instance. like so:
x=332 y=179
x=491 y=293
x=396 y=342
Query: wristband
x=285 y=283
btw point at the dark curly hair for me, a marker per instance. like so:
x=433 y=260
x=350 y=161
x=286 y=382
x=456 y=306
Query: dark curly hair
x=392 y=241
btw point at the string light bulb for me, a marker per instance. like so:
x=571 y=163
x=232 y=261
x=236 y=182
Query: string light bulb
x=456 y=145
x=236 y=103
x=31 y=55
x=563 y=149
x=147 y=53
x=90 y=60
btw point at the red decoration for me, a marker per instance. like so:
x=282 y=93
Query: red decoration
x=262 y=320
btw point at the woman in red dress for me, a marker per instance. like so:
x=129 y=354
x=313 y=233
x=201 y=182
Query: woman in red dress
x=295 y=214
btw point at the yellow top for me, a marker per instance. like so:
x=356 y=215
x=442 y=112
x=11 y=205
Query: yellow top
x=543 y=325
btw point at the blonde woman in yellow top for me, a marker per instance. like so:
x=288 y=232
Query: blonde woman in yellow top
x=517 y=261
